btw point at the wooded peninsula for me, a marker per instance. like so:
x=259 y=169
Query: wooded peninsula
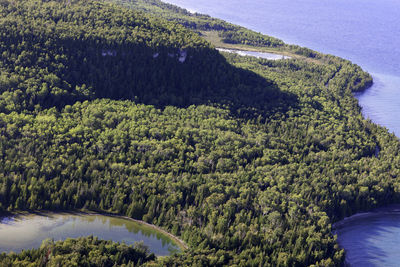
x=126 y=107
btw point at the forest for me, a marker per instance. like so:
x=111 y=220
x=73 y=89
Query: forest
x=204 y=25
x=127 y=111
x=83 y=251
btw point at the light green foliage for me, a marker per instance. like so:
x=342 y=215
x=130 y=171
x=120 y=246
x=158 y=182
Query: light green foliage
x=248 y=160
x=84 y=251
x=230 y=33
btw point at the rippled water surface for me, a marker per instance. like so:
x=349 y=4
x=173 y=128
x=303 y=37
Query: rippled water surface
x=28 y=231
x=366 y=32
x=371 y=239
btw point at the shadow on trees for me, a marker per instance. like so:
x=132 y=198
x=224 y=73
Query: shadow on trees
x=158 y=76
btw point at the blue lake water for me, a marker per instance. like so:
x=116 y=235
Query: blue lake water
x=371 y=239
x=367 y=32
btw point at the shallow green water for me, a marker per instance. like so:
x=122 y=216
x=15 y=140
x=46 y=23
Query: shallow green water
x=28 y=231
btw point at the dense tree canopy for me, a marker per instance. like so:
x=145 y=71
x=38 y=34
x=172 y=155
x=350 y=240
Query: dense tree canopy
x=82 y=252
x=249 y=160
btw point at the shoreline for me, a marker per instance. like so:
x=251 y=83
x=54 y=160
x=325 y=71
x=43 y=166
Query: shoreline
x=177 y=241
x=388 y=209
x=262 y=54
x=181 y=244
x=212 y=37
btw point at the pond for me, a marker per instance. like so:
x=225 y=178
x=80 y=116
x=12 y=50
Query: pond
x=21 y=232
x=371 y=239
x=366 y=32
x=256 y=54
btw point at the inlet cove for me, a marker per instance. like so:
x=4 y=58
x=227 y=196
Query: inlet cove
x=28 y=231
x=249 y=156
x=367 y=33
x=371 y=239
